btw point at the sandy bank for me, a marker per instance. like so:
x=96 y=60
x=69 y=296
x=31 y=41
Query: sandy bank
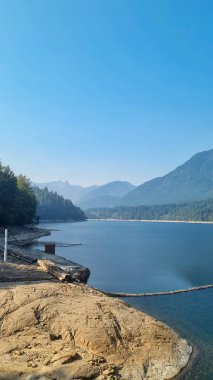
x=58 y=331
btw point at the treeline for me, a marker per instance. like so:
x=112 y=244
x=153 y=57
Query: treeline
x=17 y=200
x=52 y=206
x=21 y=204
x=195 y=211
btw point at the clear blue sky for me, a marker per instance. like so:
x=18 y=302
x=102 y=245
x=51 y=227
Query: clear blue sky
x=97 y=90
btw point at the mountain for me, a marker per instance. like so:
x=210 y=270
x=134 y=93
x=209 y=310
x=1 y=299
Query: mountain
x=106 y=195
x=192 y=181
x=64 y=188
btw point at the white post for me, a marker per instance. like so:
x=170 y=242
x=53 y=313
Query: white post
x=5 y=246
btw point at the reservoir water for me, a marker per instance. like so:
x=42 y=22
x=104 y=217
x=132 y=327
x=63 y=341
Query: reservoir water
x=138 y=257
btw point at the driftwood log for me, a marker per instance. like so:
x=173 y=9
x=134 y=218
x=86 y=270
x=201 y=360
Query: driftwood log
x=55 y=270
x=65 y=273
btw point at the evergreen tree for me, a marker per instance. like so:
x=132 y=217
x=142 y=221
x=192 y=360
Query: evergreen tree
x=25 y=202
x=8 y=188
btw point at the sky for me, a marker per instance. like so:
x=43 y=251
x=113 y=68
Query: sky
x=93 y=91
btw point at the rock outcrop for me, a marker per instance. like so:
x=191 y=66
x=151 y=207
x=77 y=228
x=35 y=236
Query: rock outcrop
x=63 y=332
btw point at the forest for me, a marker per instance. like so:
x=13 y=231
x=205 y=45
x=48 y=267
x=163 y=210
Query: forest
x=17 y=200
x=21 y=204
x=193 y=211
x=52 y=206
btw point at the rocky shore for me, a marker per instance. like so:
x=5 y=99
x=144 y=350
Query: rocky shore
x=63 y=331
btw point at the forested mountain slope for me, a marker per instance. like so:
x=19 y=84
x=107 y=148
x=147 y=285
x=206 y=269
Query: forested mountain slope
x=189 y=182
x=52 y=206
x=193 y=211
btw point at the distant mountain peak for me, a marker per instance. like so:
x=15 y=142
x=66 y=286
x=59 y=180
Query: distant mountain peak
x=106 y=195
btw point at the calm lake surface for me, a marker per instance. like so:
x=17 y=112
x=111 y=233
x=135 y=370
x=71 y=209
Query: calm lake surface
x=141 y=257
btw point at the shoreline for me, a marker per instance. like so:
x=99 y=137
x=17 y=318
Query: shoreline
x=152 y=221
x=61 y=221
x=171 y=362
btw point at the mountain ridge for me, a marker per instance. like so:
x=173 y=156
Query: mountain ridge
x=93 y=196
x=64 y=188
x=191 y=181
x=106 y=195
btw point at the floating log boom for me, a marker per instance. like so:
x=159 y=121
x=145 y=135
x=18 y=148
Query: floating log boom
x=168 y=293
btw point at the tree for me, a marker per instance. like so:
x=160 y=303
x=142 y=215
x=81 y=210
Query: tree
x=8 y=188
x=25 y=202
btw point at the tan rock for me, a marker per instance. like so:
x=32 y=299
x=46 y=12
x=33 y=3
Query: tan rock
x=65 y=357
x=63 y=332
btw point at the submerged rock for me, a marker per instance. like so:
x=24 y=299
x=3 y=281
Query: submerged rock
x=56 y=331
